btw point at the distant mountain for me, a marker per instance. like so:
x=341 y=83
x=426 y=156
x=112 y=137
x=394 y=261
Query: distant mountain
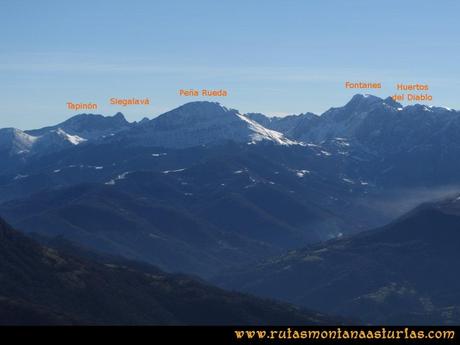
x=412 y=145
x=342 y=122
x=199 y=123
x=39 y=285
x=55 y=140
x=400 y=273
x=87 y=126
x=416 y=145
x=17 y=147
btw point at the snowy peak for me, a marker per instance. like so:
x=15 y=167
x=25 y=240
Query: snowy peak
x=367 y=103
x=14 y=141
x=59 y=136
x=359 y=108
x=88 y=126
x=200 y=123
x=363 y=100
x=194 y=113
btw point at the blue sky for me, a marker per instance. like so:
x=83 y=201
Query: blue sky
x=276 y=57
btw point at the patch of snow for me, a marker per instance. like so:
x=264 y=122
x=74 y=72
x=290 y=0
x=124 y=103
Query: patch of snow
x=310 y=145
x=73 y=139
x=173 y=171
x=262 y=133
x=441 y=107
x=301 y=173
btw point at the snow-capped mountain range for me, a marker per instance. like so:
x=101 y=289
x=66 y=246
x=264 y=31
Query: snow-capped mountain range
x=193 y=124
x=88 y=126
x=16 y=142
x=375 y=124
x=369 y=122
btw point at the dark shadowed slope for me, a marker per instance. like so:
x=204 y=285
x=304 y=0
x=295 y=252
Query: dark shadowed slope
x=39 y=285
x=405 y=272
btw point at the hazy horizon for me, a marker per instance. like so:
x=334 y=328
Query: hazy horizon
x=277 y=58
